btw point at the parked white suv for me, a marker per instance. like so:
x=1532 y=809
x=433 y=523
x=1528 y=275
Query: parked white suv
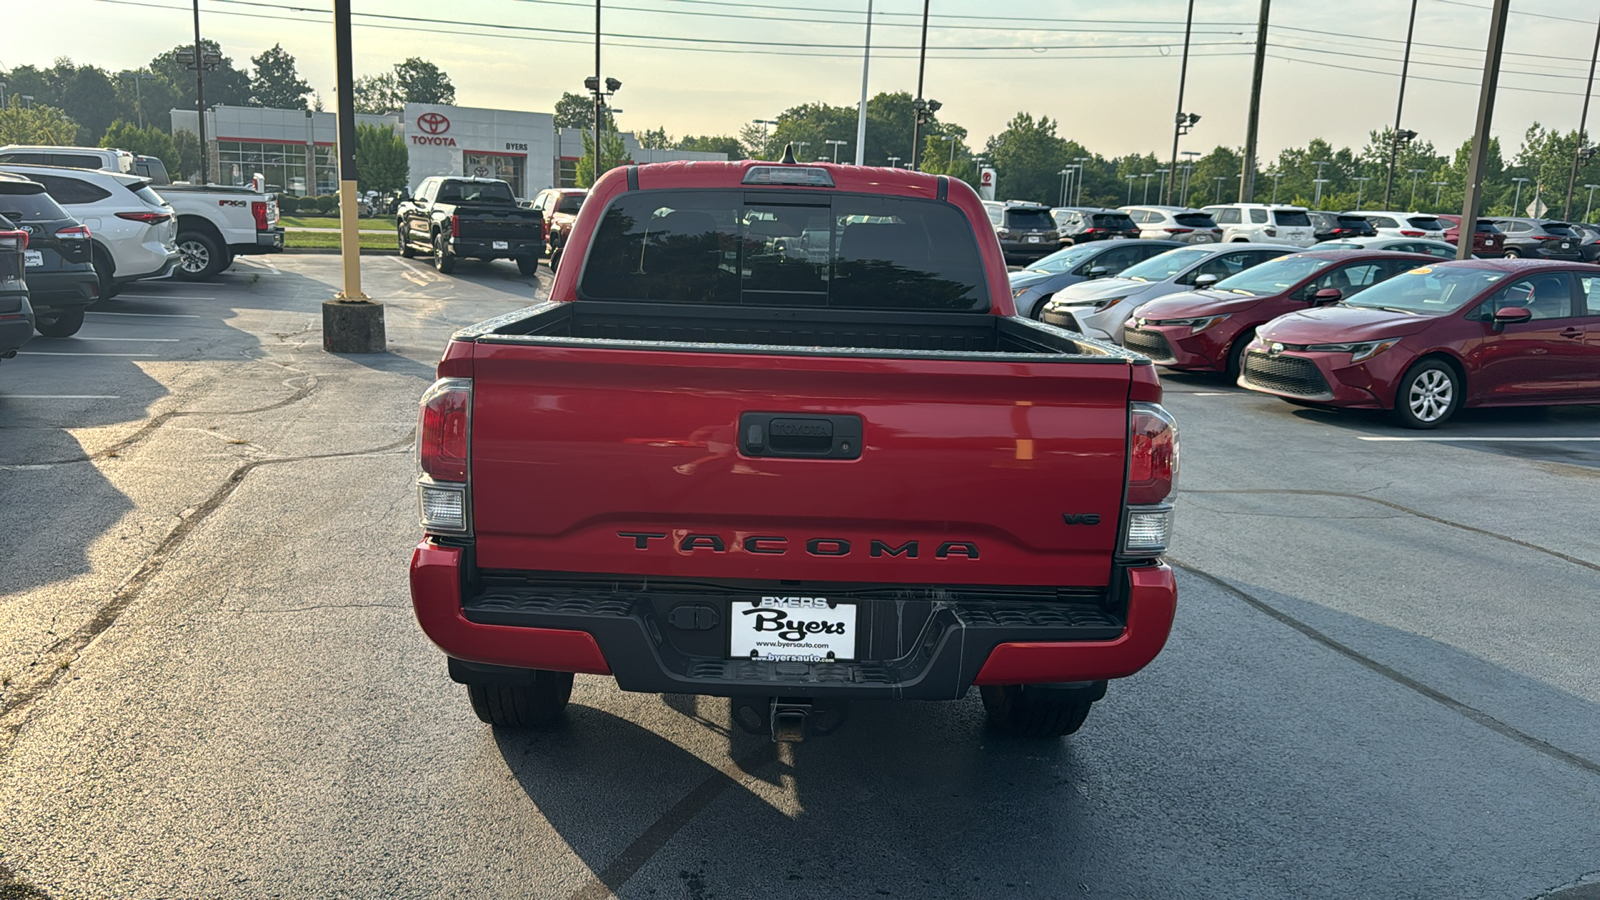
x=1258 y=222
x=1404 y=224
x=1174 y=223
x=134 y=231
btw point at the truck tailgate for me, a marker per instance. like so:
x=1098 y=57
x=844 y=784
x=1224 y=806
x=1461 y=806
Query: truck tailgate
x=629 y=461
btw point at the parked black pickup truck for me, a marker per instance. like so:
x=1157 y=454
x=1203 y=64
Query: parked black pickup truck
x=453 y=217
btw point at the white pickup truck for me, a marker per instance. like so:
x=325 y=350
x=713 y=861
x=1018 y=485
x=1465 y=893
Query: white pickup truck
x=215 y=222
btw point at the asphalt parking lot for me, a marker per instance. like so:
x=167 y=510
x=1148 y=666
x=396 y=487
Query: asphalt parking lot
x=1383 y=680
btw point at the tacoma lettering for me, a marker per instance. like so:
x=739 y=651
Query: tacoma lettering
x=778 y=545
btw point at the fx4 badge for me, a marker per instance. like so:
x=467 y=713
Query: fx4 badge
x=1081 y=518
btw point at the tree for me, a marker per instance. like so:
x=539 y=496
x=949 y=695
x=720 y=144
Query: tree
x=276 y=84
x=612 y=154
x=35 y=124
x=577 y=111
x=655 y=140
x=84 y=93
x=377 y=94
x=1028 y=157
x=188 y=148
x=143 y=98
x=423 y=82
x=225 y=85
x=148 y=141
x=381 y=162
x=712 y=143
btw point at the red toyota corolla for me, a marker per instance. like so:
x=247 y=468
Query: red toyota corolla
x=1207 y=329
x=1478 y=332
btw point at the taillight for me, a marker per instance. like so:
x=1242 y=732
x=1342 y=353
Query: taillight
x=148 y=218
x=13 y=241
x=1547 y=237
x=258 y=209
x=443 y=427
x=455 y=226
x=1404 y=233
x=1177 y=230
x=74 y=233
x=1270 y=232
x=1152 y=480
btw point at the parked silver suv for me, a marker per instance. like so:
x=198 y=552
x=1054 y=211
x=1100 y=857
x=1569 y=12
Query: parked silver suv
x=1174 y=223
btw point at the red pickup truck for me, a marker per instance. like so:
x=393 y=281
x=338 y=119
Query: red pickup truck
x=779 y=436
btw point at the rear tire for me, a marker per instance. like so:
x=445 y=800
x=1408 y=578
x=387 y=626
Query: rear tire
x=406 y=249
x=61 y=325
x=199 y=257
x=103 y=270
x=538 y=704
x=555 y=258
x=443 y=259
x=528 y=265
x=1513 y=253
x=1035 y=711
x=1429 y=394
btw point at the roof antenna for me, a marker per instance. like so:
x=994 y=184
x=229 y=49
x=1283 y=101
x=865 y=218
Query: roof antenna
x=788 y=154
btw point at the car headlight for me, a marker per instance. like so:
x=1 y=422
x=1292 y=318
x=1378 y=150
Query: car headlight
x=1196 y=325
x=1018 y=292
x=1358 y=350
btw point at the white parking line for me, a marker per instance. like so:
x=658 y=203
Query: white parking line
x=60 y=396
x=1506 y=440
x=161 y=297
x=87 y=337
x=96 y=312
x=1210 y=393
x=53 y=353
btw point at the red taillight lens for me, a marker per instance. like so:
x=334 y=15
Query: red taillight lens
x=455 y=226
x=74 y=233
x=1547 y=237
x=258 y=209
x=148 y=218
x=1177 y=230
x=442 y=429
x=13 y=240
x=1152 y=454
x=1412 y=233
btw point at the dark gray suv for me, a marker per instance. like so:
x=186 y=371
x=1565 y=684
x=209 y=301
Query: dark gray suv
x=1541 y=239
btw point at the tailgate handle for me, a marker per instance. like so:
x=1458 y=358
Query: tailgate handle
x=800 y=436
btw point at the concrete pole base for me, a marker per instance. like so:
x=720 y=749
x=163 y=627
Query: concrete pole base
x=353 y=327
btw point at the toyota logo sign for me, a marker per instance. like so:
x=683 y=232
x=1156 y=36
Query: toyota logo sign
x=433 y=123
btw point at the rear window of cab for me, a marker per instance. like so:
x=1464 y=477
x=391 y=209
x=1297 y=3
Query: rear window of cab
x=785 y=248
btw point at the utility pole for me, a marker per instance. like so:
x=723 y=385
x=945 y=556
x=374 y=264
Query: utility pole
x=1583 y=121
x=599 y=99
x=918 y=106
x=200 y=96
x=1394 y=145
x=1414 y=174
x=1473 y=195
x=861 y=116
x=351 y=323
x=1319 y=181
x=1247 y=176
x=1219 y=179
x=1180 y=120
x=1146 y=176
x=1133 y=178
x=1276 y=177
x=1064 y=173
x=1078 y=191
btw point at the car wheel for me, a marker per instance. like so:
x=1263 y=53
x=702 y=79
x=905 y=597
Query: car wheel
x=406 y=249
x=443 y=259
x=199 y=257
x=555 y=258
x=528 y=265
x=1513 y=253
x=1236 y=354
x=1036 y=712
x=60 y=325
x=538 y=704
x=103 y=270
x=1429 y=395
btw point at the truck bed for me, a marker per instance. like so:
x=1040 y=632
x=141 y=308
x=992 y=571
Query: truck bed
x=830 y=332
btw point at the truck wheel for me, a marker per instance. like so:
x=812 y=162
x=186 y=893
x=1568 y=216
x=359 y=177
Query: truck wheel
x=61 y=325
x=406 y=249
x=528 y=265
x=199 y=257
x=443 y=259
x=536 y=705
x=1038 y=711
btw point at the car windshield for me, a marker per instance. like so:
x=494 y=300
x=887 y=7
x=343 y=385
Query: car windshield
x=1116 y=221
x=570 y=203
x=1062 y=260
x=1426 y=223
x=30 y=204
x=1427 y=291
x=476 y=192
x=1561 y=228
x=1164 y=266
x=1291 y=218
x=1194 y=220
x=1273 y=277
x=1029 y=218
x=1351 y=222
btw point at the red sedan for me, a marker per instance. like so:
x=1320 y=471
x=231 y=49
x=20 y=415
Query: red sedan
x=1425 y=343
x=1207 y=330
x=1487 y=239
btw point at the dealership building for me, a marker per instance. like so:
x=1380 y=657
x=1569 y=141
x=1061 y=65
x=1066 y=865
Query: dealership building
x=293 y=149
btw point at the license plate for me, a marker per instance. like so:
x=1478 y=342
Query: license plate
x=33 y=257
x=501 y=245
x=1203 y=239
x=1033 y=239
x=1118 y=237
x=804 y=629
x=1566 y=245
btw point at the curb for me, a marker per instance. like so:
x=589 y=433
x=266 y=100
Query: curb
x=365 y=251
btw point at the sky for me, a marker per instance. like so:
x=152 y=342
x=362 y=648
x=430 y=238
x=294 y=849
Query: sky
x=1107 y=71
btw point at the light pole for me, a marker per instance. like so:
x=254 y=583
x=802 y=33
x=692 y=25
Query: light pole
x=1131 y=180
x=1163 y=192
x=950 y=167
x=1438 y=193
x=1583 y=121
x=1077 y=199
x=1590 y=206
x=921 y=109
x=765 y=134
x=1276 y=175
x=861 y=114
x=1064 y=173
x=138 y=95
x=1219 y=179
x=1517 y=203
x=894 y=162
x=2 y=95
x=1183 y=121
x=799 y=146
x=1361 y=187
x=1146 y=176
x=1188 y=168
x=836 y=145
x=1399 y=106
x=351 y=322
x=1414 y=174
x=1319 y=181
x=27 y=101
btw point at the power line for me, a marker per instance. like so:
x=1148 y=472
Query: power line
x=1369 y=71
x=1419 y=62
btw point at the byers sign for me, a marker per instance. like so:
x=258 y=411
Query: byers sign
x=433 y=126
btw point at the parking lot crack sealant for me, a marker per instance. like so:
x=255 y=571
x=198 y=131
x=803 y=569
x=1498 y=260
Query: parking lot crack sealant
x=44 y=675
x=1400 y=678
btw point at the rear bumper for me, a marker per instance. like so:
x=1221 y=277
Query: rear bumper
x=63 y=291
x=16 y=329
x=485 y=247
x=269 y=241
x=1029 y=249
x=162 y=271
x=601 y=631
